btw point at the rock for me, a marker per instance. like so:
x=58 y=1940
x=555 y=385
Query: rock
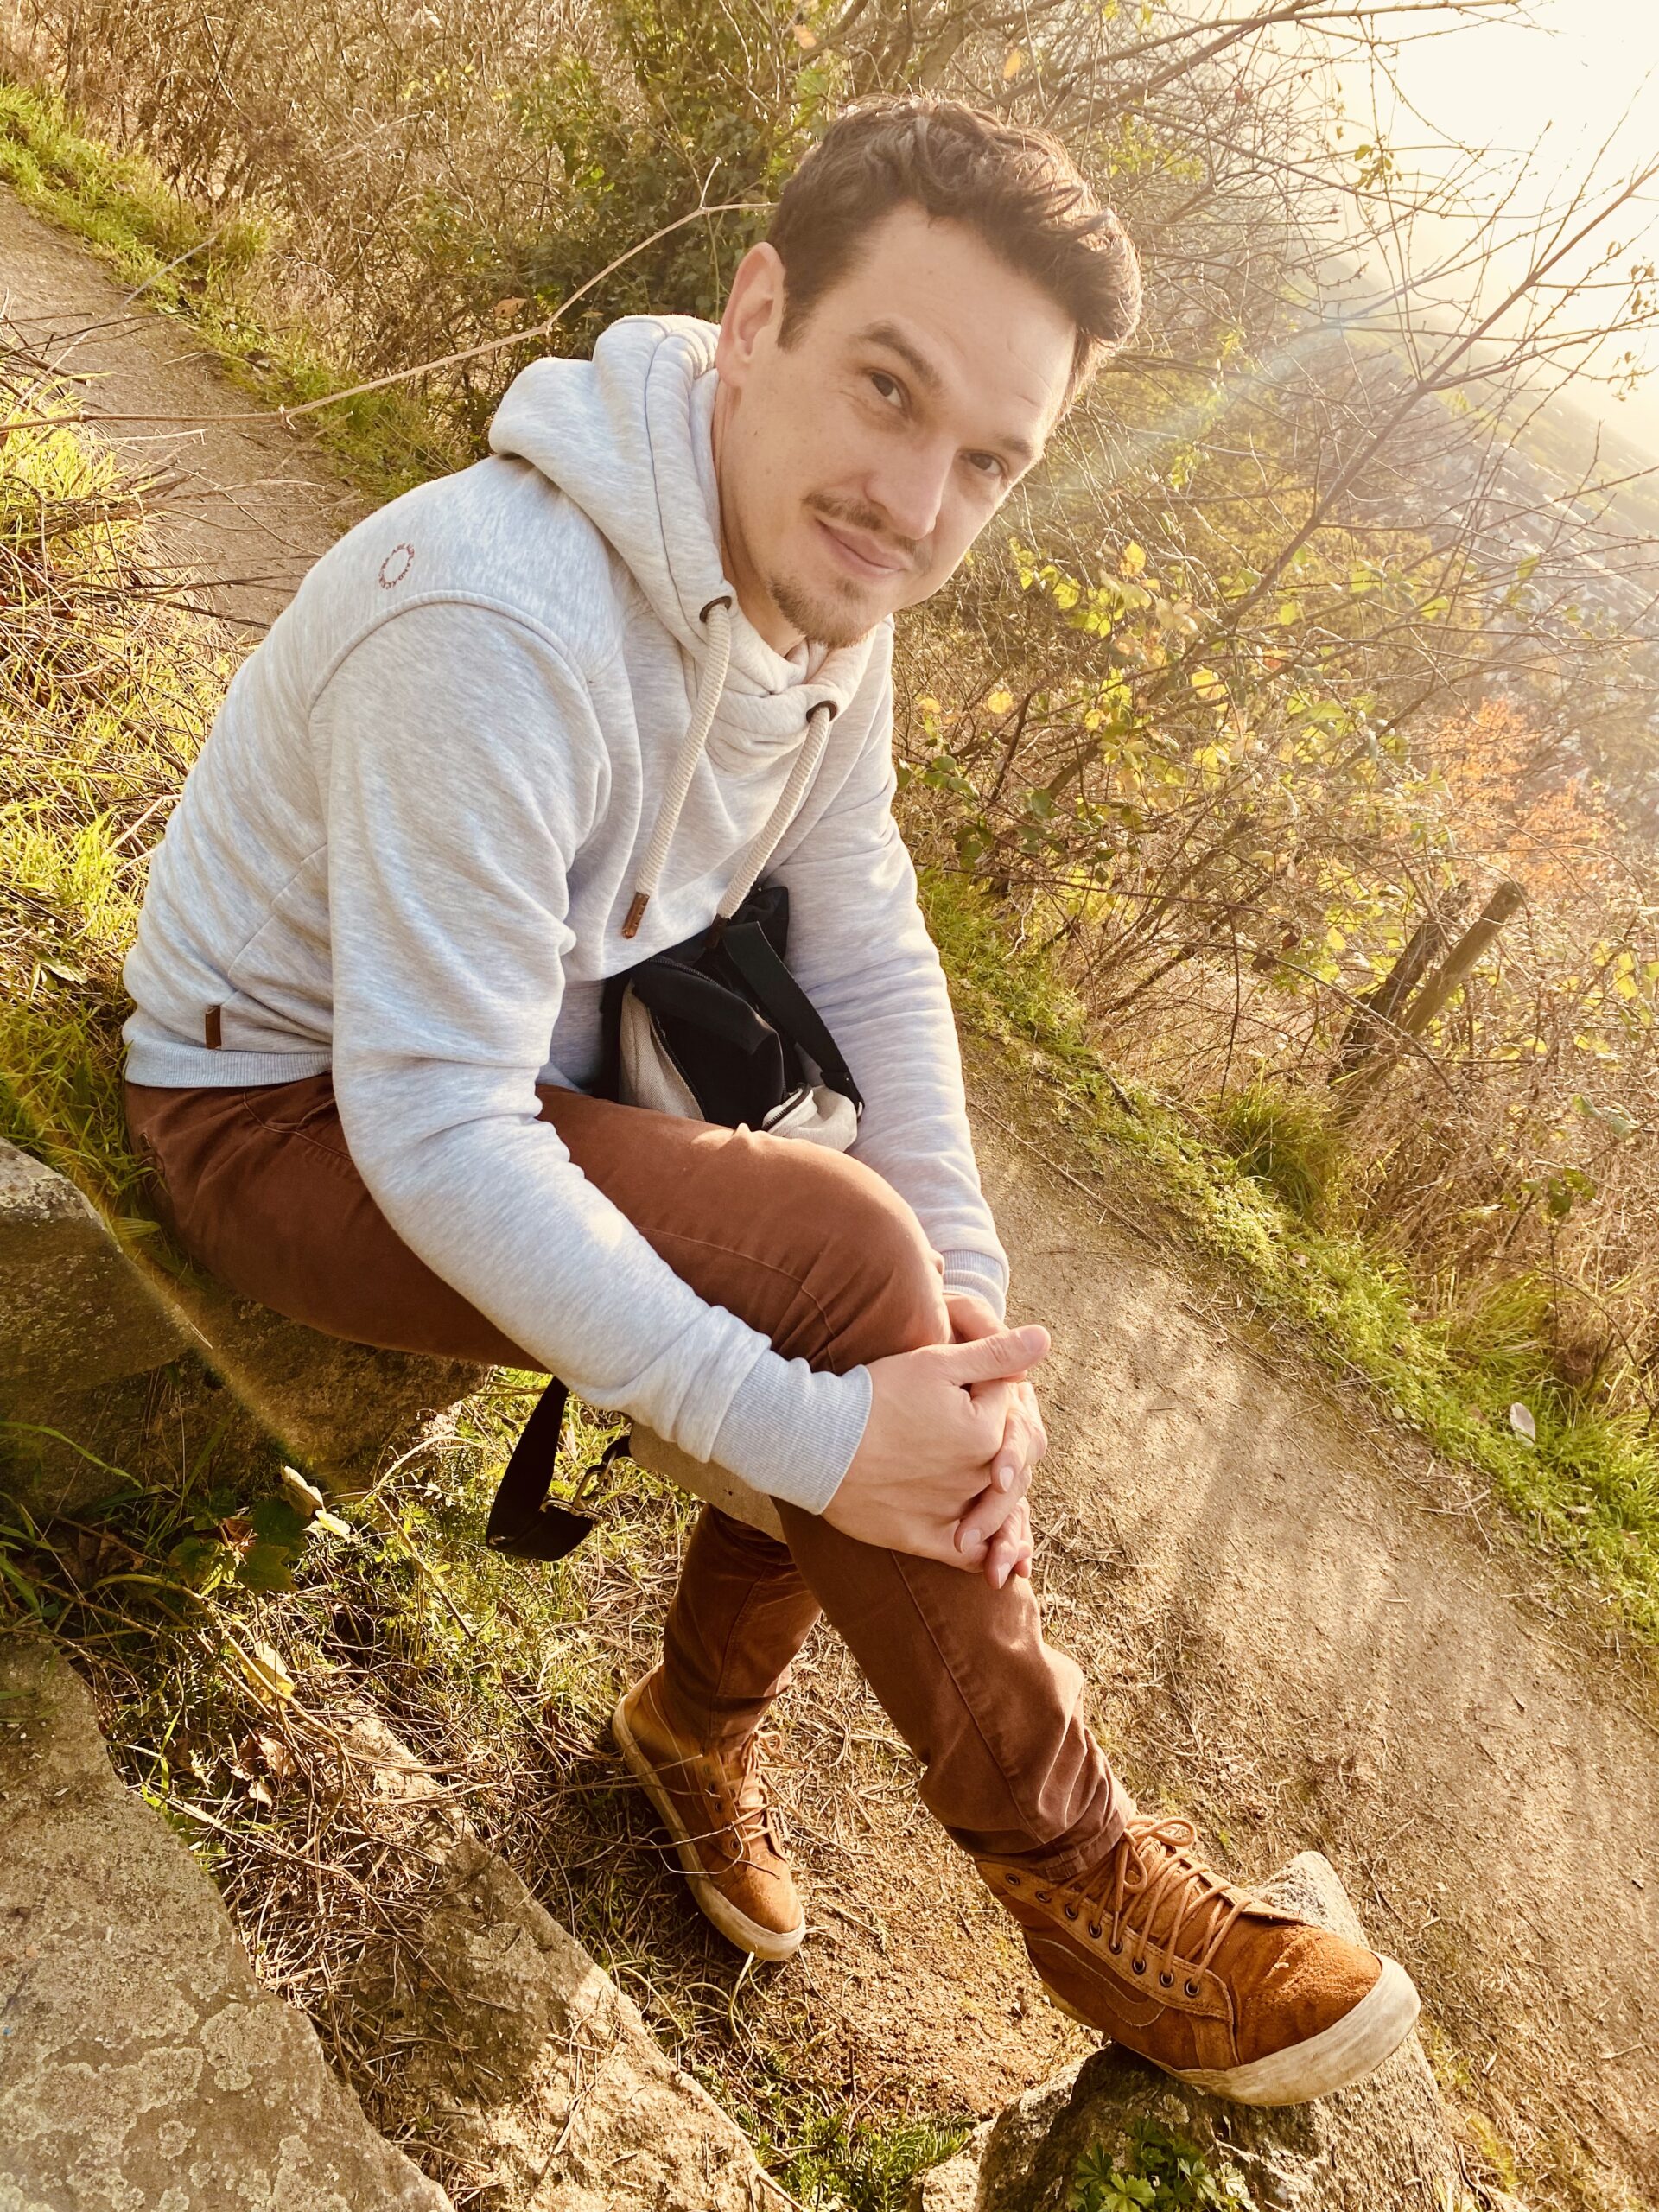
x=76 y=1311
x=954 y=2186
x=143 y=2068
x=1384 y=2146
x=546 y=2076
x=79 y=1318
x=344 y=1411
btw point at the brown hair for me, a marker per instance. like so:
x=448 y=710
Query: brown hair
x=1019 y=189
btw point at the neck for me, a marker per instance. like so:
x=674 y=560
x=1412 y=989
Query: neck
x=759 y=609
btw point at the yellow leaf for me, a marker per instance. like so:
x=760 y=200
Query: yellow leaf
x=1134 y=559
x=1208 y=684
x=999 y=700
x=927 y=705
x=267 y=1676
x=805 y=37
x=1012 y=66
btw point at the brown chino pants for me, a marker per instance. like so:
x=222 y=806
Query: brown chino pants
x=807 y=1246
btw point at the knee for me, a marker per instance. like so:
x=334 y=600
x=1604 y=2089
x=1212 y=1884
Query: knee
x=872 y=1278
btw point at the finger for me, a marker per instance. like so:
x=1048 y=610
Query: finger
x=1022 y=1447
x=971 y=1318
x=1007 y=1355
x=988 y=1511
x=1007 y=1548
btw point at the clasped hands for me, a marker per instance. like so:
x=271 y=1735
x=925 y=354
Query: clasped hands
x=946 y=1456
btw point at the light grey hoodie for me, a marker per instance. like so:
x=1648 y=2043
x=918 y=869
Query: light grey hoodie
x=408 y=846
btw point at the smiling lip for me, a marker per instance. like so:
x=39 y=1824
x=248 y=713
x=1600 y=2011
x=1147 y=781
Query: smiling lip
x=854 y=556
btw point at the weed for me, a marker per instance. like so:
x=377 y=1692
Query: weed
x=1281 y=1139
x=835 y=2164
x=1165 y=2174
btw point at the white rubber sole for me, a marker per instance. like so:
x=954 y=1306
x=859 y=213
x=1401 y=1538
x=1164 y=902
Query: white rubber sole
x=736 y=1927
x=1336 y=2058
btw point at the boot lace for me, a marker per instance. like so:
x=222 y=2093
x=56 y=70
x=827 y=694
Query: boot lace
x=1176 y=1911
x=756 y=1823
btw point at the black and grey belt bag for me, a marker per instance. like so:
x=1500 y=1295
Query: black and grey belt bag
x=715 y=1029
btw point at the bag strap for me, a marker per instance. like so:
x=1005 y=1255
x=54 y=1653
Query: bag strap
x=785 y=1004
x=522 y=1524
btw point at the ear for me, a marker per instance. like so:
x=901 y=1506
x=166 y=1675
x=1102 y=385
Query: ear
x=754 y=313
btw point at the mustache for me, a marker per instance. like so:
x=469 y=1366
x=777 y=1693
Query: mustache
x=857 y=516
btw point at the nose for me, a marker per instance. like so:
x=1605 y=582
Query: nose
x=909 y=487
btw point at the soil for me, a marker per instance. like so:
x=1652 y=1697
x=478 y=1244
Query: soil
x=1300 y=1629
x=251 y=505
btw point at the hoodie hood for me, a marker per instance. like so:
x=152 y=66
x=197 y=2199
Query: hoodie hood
x=628 y=438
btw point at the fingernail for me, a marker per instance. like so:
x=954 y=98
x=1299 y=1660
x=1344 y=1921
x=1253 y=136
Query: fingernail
x=971 y=1540
x=1005 y=1477
x=1000 y=1578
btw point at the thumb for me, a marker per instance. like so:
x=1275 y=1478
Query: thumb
x=1010 y=1352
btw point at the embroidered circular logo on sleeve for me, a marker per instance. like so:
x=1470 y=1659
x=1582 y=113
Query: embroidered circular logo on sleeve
x=396 y=566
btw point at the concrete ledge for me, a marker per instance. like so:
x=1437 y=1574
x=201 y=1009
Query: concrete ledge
x=143 y=2065
x=73 y=1310
x=82 y=1323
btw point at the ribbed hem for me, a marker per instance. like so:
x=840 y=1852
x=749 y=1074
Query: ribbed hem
x=172 y=1066
x=985 y=1276
x=791 y=1434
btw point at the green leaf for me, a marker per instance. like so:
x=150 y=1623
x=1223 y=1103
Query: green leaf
x=276 y=1521
x=265 y=1567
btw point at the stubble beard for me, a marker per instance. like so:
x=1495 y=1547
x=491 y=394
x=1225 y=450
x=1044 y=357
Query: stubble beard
x=821 y=618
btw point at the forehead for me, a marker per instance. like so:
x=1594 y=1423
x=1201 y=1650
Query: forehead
x=992 y=340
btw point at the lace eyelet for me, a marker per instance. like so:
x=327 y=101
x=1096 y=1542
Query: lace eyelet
x=1041 y=1896
x=1191 y=1988
x=1137 y=1966
x=1116 y=1950
x=1167 y=1981
x=1094 y=1929
x=1070 y=1912
x=1014 y=1881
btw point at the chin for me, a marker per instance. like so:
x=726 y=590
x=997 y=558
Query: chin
x=836 y=616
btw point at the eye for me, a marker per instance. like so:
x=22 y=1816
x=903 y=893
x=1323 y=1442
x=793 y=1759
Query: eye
x=887 y=388
x=988 y=465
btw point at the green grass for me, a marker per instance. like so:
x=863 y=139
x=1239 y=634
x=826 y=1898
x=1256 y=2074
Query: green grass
x=107 y=691
x=1588 y=1489
x=830 y=2163
x=217 y=277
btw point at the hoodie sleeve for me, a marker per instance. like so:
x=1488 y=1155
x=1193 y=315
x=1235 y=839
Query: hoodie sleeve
x=860 y=948
x=463 y=770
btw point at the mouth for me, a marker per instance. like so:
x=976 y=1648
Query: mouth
x=858 y=555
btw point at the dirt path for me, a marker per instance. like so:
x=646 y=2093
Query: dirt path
x=253 y=504
x=1299 y=1637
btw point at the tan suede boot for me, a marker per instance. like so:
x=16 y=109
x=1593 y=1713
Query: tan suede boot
x=1215 y=1985
x=717 y=1806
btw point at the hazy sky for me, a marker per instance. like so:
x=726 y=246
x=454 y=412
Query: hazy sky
x=1559 y=85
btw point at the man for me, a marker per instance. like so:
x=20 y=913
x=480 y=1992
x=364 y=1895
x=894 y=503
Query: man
x=524 y=727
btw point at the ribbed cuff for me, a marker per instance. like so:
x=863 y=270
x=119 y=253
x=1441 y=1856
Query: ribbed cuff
x=790 y=1434
x=983 y=1274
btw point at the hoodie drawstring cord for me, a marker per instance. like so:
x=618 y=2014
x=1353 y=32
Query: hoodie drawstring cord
x=758 y=851
x=717 y=617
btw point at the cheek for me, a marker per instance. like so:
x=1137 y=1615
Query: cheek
x=958 y=526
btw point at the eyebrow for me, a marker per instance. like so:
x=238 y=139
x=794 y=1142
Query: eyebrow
x=889 y=335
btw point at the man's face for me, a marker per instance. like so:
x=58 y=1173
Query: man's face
x=858 y=463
